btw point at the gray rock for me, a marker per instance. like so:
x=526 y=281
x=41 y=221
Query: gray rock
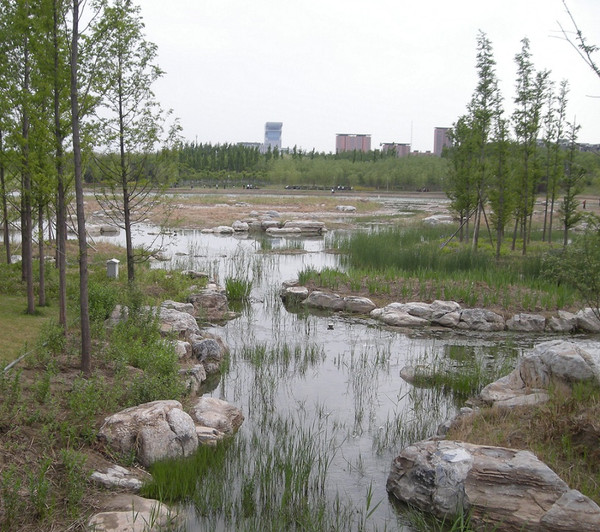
x=500 y=488
x=307 y=226
x=193 y=378
x=293 y=294
x=398 y=318
x=182 y=324
x=565 y=322
x=117 y=477
x=193 y=274
x=183 y=349
x=346 y=208
x=323 y=300
x=359 y=305
x=276 y=231
x=223 y=230
x=438 y=219
x=587 y=321
x=451 y=319
x=153 y=431
x=131 y=513
x=268 y=223
x=180 y=307
x=240 y=227
x=526 y=323
x=209 y=353
x=210 y=303
x=440 y=308
x=478 y=319
x=217 y=414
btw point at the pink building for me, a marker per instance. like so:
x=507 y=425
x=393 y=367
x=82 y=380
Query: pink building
x=346 y=142
x=440 y=140
x=401 y=150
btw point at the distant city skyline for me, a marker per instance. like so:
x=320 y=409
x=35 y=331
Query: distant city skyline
x=345 y=66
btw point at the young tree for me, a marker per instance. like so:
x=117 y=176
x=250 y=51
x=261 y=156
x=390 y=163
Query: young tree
x=571 y=184
x=529 y=99
x=131 y=125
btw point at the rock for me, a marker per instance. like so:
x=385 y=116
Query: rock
x=293 y=294
x=478 y=319
x=154 y=431
x=217 y=414
x=398 y=318
x=240 y=227
x=440 y=308
x=549 y=363
x=573 y=511
x=526 y=323
x=223 y=230
x=182 y=349
x=255 y=225
x=209 y=353
x=323 y=300
x=120 y=313
x=359 y=305
x=500 y=488
x=130 y=513
x=307 y=226
x=346 y=208
x=193 y=378
x=268 y=223
x=276 y=231
x=109 y=230
x=451 y=319
x=565 y=322
x=193 y=274
x=180 y=307
x=463 y=414
x=117 y=477
x=182 y=324
x=210 y=304
x=438 y=219
x=587 y=321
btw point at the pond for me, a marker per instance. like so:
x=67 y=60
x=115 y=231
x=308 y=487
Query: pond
x=325 y=407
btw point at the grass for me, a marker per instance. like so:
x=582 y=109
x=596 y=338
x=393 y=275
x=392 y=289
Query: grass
x=19 y=330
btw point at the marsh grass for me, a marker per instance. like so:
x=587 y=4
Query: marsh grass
x=237 y=289
x=409 y=262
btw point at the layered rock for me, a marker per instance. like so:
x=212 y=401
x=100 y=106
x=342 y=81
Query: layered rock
x=131 y=513
x=210 y=303
x=500 y=488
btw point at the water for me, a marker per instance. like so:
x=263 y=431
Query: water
x=332 y=394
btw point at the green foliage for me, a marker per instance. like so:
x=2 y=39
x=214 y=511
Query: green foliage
x=237 y=289
x=103 y=296
x=75 y=478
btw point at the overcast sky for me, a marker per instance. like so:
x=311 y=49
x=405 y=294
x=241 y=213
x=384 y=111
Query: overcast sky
x=394 y=69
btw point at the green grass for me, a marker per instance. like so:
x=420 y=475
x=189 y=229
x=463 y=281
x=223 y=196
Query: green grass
x=19 y=330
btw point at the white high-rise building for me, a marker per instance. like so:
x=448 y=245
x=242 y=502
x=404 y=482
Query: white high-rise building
x=272 y=136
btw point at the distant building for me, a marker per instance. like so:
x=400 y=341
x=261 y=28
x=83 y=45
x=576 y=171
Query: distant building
x=401 y=150
x=348 y=142
x=253 y=145
x=272 y=136
x=440 y=140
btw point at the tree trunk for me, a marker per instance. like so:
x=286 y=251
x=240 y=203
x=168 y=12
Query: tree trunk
x=86 y=365
x=61 y=210
x=5 y=228
x=41 y=251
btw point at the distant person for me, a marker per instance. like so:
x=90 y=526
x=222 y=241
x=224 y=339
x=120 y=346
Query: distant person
x=584 y=204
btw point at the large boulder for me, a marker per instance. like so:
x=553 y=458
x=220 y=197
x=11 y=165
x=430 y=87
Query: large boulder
x=565 y=322
x=217 y=414
x=588 y=321
x=323 y=300
x=152 y=431
x=524 y=322
x=397 y=317
x=210 y=303
x=359 y=305
x=479 y=319
x=209 y=353
x=182 y=324
x=292 y=295
x=501 y=489
x=548 y=363
x=130 y=513
x=181 y=307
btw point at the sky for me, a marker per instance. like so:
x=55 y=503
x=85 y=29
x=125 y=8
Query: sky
x=394 y=69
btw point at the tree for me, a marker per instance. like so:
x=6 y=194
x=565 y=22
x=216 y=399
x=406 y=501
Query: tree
x=131 y=125
x=571 y=184
x=585 y=50
x=529 y=98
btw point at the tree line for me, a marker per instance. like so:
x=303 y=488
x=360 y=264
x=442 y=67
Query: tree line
x=500 y=165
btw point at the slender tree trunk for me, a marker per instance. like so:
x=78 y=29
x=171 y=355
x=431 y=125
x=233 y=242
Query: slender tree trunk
x=61 y=214
x=26 y=218
x=86 y=364
x=41 y=251
x=5 y=228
